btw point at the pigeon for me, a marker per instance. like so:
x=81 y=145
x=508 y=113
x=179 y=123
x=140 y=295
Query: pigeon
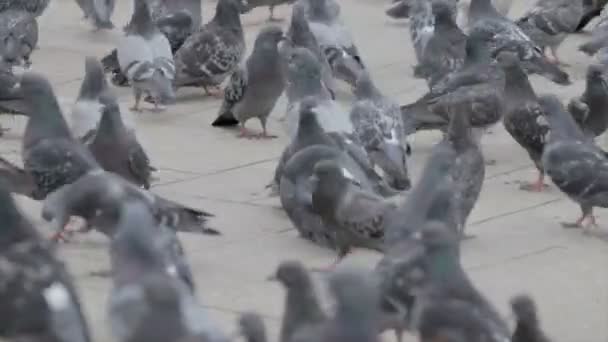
x=422 y=26
x=464 y=6
x=550 y=21
x=215 y=51
x=300 y=35
x=38 y=298
x=468 y=168
x=271 y=5
x=379 y=127
x=356 y=318
x=335 y=40
x=596 y=46
x=524 y=118
x=445 y=49
x=303 y=81
x=147 y=302
x=576 y=166
x=501 y=33
x=99 y=12
x=252 y=327
x=302 y=305
x=86 y=112
x=592 y=9
x=177 y=19
x=254 y=89
x=117 y=150
x=527 y=328
x=94 y=197
x=479 y=84
x=19 y=32
x=34 y=7
x=355 y=215
x=589 y=111
x=145 y=57
x=51 y=156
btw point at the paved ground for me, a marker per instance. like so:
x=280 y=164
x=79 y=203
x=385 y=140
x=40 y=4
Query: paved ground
x=520 y=246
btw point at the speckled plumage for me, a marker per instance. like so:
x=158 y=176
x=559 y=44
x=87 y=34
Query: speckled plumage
x=35 y=7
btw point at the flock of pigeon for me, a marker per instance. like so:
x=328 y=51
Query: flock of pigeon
x=342 y=180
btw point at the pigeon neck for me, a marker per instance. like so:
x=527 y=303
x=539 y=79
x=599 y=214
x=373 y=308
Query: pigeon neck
x=307 y=87
x=563 y=126
x=227 y=15
x=94 y=83
x=517 y=86
x=45 y=121
x=308 y=126
x=111 y=124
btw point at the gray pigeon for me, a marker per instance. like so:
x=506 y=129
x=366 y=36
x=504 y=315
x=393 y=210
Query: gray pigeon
x=524 y=119
x=19 y=28
x=304 y=80
x=99 y=12
x=145 y=57
x=252 y=327
x=86 y=112
x=335 y=40
x=51 y=156
x=300 y=35
x=95 y=197
x=550 y=21
x=34 y=7
x=445 y=49
x=590 y=110
x=379 y=127
x=38 y=298
x=254 y=89
x=213 y=52
x=147 y=302
x=527 y=328
x=464 y=9
x=355 y=215
x=356 y=296
x=302 y=305
x=576 y=166
x=117 y=149
x=271 y=5
x=501 y=33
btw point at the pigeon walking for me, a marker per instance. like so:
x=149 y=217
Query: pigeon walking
x=527 y=328
x=254 y=89
x=302 y=306
x=590 y=110
x=215 y=51
x=99 y=12
x=145 y=57
x=576 y=166
x=524 y=118
x=38 y=298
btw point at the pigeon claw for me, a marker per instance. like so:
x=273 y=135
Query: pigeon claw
x=592 y=223
x=214 y=91
x=537 y=186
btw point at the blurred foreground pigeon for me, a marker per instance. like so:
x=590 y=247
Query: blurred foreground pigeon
x=576 y=166
x=95 y=198
x=527 y=328
x=117 y=149
x=19 y=36
x=252 y=327
x=550 y=21
x=254 y=89
x=379 y=127
x=590 y=111
x=271 y=5
x=524 y=118
x=592 y=9
x=99 y=12
x=213 y=52
x=37 y=296
x=302 y=308
x=145 y=57
x=147 y=302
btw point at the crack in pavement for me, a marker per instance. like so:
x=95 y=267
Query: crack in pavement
x=516 y=258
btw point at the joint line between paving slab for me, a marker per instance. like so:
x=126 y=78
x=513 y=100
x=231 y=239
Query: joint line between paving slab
x=491 y=218
x=517 y=257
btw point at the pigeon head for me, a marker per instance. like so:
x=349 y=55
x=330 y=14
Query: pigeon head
x=595 y=73
x=141 y=21
x=269 y=38
x=507 y=59
x=252 y=327
x=442 y=11
x=345 y=66
x=308 y=121
x=94 y=82
x=524 y=309
x=298 y=26
x=11 y=50
x=228 y=12
x=292 y=275
x=356 y=293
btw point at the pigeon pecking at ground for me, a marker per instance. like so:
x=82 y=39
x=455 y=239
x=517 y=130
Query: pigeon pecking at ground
x=99 y=12
x=524 y=118
x=527 y=328
x=550 y=21
x=254 y=89
x=590 y=110
x=145 y=57
x=271 y=5
x=37 y=296
x=18 y=32
x=574 y=163
x=379 y=128
x=302 y=308
x=213 y=52
x=147 y=302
